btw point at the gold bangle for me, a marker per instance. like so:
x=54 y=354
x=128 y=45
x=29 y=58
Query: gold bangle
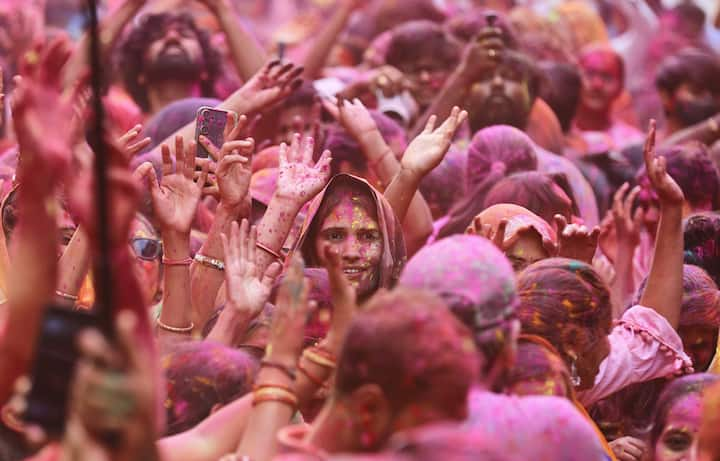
x=165 y=327
x=266 y=394
x=318 y=359
x=67 y=296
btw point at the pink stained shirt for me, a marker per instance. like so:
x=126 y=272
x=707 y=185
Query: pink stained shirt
x=643 y=346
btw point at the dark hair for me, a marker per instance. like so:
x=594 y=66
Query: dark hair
x=561 y=91
x=466 y=26
x=305 y=96
x=532 y=190
x=536 y=358
x=690 y=65
x=567 y=293
x=200 y=375
x=676 y=390
x=416 y=39
x=149 y=29
x=701 y=237
x=407 y=342
x=693 y=169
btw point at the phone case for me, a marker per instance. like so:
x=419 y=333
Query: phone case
x=211 y=124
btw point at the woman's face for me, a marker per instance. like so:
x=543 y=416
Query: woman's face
x=526 y=250
x=554 y=383
x=699 y=342
x=147 y=267
x=680 y=431
x=351 y=231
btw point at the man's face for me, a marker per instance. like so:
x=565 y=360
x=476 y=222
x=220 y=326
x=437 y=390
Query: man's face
x=501 y=98
x=176 y=55
x=691 y=103
x=428 y=76
x=601 y=80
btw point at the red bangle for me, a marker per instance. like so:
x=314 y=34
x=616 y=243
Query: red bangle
x=272 y=252
x=272 y=386
x=324 y=352
x=177 y=262
x=317 y=381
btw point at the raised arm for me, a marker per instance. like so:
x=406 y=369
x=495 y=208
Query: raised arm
x=233 y=182
x=664 y=288
x=327 y=38
x=175 y=200
x=247 y=54
x=247 y=290
x=110 y=30
x=417 y=225
x=424 y=153
x=298 y=182
x=41 y=126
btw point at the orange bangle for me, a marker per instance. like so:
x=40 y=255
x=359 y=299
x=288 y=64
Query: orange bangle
x=287 y=401
x=274 y=394
x=269 y=250
x=314 y=379
x=272 y=386
x=324 y=352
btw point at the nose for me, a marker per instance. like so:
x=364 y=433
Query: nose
x=424 y=76
x=172 y=33
x=351 y=249
x=498 y=82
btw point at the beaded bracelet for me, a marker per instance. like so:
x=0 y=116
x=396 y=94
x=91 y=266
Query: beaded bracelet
x=279 y=366
x=169 y=328
x=212 y=263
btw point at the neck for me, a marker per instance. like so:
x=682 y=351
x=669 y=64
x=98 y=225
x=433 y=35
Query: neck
x=327 y=430
x=160 y=94
x=590 y=120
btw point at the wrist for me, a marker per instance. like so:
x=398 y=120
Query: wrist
x=286 y=203
x=176 y=245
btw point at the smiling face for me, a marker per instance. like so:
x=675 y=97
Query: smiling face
x=681 y=430
x=351 y=229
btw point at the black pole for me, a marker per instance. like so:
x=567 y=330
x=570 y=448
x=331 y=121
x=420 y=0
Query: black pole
x=102 y=272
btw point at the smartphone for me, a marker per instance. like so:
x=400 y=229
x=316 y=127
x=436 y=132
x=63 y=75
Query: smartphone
x=211 y=123
x=54 y=366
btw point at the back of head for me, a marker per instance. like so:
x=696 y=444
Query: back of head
x=408 y=343
x=559 y=291
x=498 y=146
x=200 y=376
x=417 y=39
x=478 y=284
x=695 y=67
x=561 y=90
x=532 y=190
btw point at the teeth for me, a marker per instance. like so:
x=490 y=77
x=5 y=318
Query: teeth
x=352 y=271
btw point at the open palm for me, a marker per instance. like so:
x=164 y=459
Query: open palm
x=428 y=149
x=298 y=179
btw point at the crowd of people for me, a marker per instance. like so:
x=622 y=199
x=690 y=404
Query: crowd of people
x=360 y=230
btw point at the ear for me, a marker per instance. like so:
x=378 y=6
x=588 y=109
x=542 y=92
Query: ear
x=373 y=414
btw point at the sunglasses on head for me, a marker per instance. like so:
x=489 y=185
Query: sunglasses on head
x=147 y=249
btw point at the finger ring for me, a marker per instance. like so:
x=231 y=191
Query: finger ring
x=383 y=80
x=492 y=53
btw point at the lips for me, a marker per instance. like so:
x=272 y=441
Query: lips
x=354 y=272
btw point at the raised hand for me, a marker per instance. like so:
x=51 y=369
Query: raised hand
x=131 y=143
x=42 y=116
x=273 y=83
x=353 y=116
x=482 y=54
x=667 y=189
x=428 y=149
x=247 y=289
x=288 y=325
x=576 y=242
x=485 y=230
x=298 y=180
x=175 y=200
x=233 y=171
